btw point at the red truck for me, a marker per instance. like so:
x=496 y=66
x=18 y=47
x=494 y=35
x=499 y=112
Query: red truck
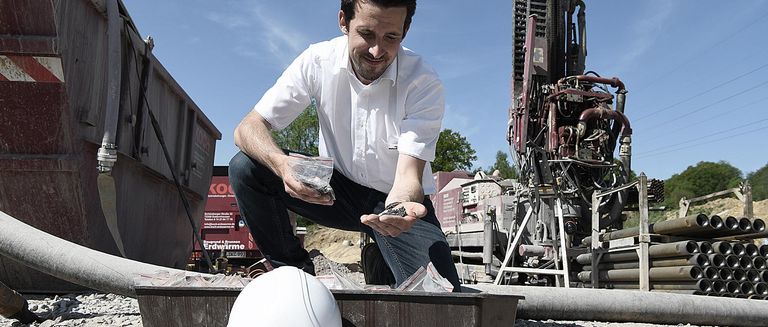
x=225 y=234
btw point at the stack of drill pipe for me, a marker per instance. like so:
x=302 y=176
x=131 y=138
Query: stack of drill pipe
x=719 y=268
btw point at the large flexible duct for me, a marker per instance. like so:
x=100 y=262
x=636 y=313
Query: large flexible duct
x=542 y=303
x=69 y=261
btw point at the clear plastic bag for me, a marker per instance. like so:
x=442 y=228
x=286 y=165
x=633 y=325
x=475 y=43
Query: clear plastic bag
x=315 y=172
x=426 y=280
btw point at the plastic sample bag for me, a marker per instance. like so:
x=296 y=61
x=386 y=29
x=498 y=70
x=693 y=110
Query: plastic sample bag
x=315 y=172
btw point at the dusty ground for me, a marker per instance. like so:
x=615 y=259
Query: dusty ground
x=729 y=206
x=337 y=245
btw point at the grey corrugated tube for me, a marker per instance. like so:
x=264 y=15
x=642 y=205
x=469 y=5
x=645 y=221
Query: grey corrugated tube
x=631 y=306
x=69 y=261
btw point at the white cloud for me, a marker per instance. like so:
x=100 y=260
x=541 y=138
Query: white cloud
x=260 y=35
x=457 y=121
x=646 y=31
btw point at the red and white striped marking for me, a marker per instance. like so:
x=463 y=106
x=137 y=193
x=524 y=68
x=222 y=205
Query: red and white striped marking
x=31 y=69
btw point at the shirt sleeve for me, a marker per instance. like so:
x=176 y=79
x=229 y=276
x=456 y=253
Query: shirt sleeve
x=290 y=94
x=420 y=128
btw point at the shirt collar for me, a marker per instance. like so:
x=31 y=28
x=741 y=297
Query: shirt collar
x=390 y=74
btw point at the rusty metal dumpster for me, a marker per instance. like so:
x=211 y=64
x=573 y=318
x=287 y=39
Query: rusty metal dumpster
x=52 y=95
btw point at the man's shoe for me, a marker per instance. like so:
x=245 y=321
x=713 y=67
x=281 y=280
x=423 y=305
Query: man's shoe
x=375 y=269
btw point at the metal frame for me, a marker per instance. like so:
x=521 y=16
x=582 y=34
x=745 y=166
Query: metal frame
x=644 y=238
x=562 y=273
x=743 y=193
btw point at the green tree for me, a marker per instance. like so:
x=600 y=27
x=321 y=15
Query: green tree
x=759 y=181
x=302 y=134
x=702 y=179
x=453 y=152
x=506 y=171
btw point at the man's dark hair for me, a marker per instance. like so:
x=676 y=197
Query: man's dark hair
x=348 y=7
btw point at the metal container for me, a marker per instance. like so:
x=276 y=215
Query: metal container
x=53 y=83
x=172 y=306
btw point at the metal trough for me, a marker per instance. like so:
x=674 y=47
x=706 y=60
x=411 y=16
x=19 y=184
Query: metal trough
x=184 y=306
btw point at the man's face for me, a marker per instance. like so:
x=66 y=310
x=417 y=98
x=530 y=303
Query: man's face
x=374 y=34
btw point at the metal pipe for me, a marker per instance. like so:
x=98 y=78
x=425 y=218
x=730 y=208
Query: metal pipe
x=738 y=249
x=759 y=263
x=678 y=226
x=746 y=288
x=764 y=276
x=763 y=250
x=739 y=275
x=717 y=260
x=705 y=247
x=72 y=262
x=677 y=249
x=761 y=288
x=732 y=287
x=697 y=259
x=731 y=223
x=711 y=273
x=753 y=275
x=526 y=250
x=718 y=286
x=725 y=274
x=647 y=307
x=745 y=262
x=758 y=225
x=488 y=243
x=654 y=274
x=716 y=222
x=751 y=249
x=602 y=113
x=745 y=225
x=732 y=261
x=722 y=247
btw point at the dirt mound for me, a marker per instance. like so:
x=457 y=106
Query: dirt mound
x=725 y=207
x=337 y=245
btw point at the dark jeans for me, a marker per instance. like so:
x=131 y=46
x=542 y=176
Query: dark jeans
x=263 y=203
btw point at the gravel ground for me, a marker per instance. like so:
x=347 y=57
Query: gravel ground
x=83 y=310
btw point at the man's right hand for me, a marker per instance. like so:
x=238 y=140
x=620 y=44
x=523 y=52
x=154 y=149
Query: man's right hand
x=301 y=191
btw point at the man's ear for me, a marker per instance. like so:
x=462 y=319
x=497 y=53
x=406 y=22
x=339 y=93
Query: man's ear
x=343 y=23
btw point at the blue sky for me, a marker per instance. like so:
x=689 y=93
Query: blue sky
x=696 y=71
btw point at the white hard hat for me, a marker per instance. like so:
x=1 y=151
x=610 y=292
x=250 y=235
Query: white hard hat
x=286 y=296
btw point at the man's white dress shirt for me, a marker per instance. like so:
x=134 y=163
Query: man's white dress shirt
x=363 y=127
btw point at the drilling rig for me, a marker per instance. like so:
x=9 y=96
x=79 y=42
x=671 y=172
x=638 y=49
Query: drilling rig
x=564 y=128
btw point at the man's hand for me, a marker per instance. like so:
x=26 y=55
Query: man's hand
x=301 y=191
x=393 y=224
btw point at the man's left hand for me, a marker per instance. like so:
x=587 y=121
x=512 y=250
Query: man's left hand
x=393 y=225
